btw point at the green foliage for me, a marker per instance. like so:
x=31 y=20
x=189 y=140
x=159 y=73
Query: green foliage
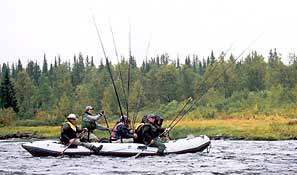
x=7 y=116
x=220 y=87
x=7 y=91
x=169 y=110
x=25 y=93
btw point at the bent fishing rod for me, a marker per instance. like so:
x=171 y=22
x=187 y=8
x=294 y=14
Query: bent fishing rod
x=107 y=63
x=212 y=85
x=120 y=71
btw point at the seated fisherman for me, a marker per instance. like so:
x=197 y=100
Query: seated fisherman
x=148 y=133
x=70 y=134
x=162 y=132
x=89 y=121
x=121 y=130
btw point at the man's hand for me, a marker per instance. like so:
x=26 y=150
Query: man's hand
x=152 y=142
x=72 y=141
x=135 y=136
x=85 y=129
x=167 y=130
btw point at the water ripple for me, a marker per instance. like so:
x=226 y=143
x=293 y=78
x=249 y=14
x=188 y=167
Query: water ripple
x=226 y=157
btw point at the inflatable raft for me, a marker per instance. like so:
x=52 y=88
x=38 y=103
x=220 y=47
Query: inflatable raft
x=180 y=146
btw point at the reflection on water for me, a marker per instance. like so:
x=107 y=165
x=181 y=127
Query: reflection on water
x=225 y=157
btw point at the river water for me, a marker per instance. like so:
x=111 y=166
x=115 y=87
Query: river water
x=225 y=157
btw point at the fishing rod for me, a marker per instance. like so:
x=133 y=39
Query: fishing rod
x=187 y=103
x=108 y=66
x=129 y=69
x=206 y=78
x=212 y=85
x=120 y=71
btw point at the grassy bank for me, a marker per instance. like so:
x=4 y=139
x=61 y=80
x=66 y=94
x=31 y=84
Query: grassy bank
x=268 y=128
x=256 y=128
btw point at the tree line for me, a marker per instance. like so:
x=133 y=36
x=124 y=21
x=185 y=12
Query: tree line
x=48 y=93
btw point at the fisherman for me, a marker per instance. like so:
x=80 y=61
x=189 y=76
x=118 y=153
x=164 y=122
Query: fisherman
x=89 y=121
x=148 y=133
x=121 y=130
x=162 y=132
x=70 y=134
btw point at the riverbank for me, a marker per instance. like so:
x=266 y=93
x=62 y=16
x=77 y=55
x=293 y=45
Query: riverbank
x=256 y=128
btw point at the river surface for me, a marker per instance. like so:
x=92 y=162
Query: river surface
x=225 y=157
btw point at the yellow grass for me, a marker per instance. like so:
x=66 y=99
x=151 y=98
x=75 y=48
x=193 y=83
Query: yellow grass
x=257 y=128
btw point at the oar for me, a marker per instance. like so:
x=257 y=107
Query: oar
x=62 y=152
x=166 y=131
x=106 y=123
x=138 y=154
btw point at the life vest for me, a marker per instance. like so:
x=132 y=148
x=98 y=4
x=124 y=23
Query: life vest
x=72 y=126
x=140 y=135
x=68 y=133
x=114 y=131
x=138 y=131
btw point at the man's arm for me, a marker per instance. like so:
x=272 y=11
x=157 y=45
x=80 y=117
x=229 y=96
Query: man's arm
x=92 y=118
x=101 y=127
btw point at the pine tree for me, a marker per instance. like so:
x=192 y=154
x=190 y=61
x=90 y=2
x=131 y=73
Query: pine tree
x=13 y=72
x=19 y=66
x=7 y=92
x=212 y=58
x=59 y=60
x=177 y=63
x=30 y=69
x=92 y=62
x=56 y=65
x=37 y=74
x=87 y=62
x=101 y=65
x=44 y=67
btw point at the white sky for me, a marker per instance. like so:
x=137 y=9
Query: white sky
x=30 y=28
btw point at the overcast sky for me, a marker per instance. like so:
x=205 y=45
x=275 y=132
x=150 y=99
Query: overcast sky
x=30 y=28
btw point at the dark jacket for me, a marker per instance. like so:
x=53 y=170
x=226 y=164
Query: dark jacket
x=146 y=133
x=68 y=133
x=120 y=130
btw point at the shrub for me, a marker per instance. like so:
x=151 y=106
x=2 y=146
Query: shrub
x=7 y=116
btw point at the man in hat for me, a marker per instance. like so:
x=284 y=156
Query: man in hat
x=70 y=134
x=89 y=121
x=149 y=133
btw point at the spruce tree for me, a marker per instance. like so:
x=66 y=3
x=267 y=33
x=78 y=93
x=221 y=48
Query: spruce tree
x=19 y=66
x=212 y=58
x=44 y=67
x=7 y=92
